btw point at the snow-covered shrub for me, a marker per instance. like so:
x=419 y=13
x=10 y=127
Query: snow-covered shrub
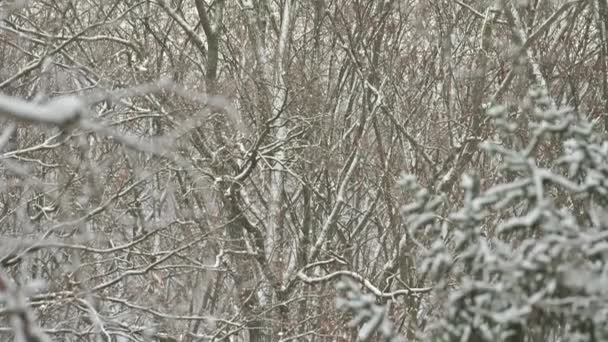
x=524 y=258
x=367 y=314
x=528 y=255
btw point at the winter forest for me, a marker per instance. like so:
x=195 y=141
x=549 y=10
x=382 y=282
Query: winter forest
x=303 y=170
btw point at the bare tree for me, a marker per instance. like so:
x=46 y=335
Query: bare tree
x=207 y=169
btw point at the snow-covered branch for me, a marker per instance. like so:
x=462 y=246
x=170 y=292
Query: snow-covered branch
x=61 y=111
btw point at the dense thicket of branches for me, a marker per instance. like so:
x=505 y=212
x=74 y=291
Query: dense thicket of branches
x=205 y=170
